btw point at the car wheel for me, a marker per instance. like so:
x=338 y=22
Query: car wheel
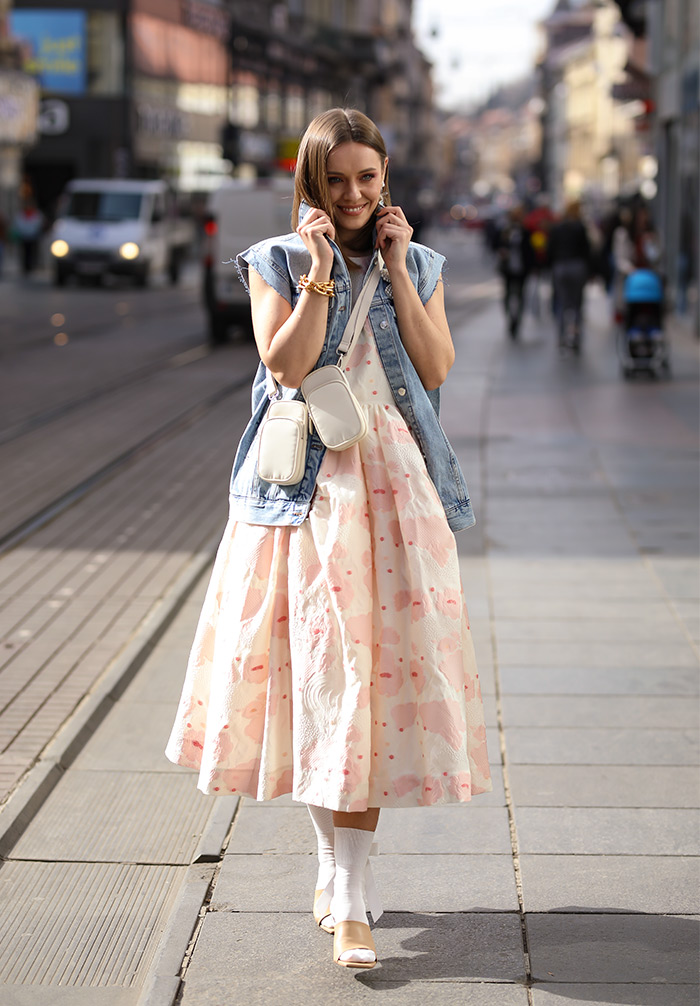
x=218 y=330
x=141 y=277
x=174 y=268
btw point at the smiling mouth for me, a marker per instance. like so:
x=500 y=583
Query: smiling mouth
x=353 y=211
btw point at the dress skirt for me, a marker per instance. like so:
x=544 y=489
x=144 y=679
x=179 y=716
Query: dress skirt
x=333 y=660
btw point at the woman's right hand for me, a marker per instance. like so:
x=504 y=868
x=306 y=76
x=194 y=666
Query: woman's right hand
x=316 y=227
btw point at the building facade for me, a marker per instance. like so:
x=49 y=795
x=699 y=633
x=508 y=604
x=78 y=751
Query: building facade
x=673 y=30
x=191 y=90
x=594 y=127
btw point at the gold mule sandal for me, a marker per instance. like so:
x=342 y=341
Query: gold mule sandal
x=319 y=916
x=352 y=936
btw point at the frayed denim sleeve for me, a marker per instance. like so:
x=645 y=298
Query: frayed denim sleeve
x=261 y=258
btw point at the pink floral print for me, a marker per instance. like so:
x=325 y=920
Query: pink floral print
x=334 y=661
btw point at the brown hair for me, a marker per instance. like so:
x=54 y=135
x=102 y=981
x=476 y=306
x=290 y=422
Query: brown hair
x=323 y=134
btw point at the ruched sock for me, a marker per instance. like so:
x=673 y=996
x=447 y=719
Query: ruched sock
x=322 y=819
x=352 y=847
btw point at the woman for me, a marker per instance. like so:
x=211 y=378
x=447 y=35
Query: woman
x=333 y=658
x=570 y=257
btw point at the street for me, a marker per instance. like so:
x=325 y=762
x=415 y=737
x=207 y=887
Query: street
x=574 y=881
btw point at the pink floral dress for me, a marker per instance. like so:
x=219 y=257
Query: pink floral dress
x=333 y=660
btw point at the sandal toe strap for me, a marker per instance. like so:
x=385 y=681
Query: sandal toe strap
x=352 y=935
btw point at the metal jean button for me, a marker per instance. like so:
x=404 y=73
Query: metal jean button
x=402 y=391
x=384 y=324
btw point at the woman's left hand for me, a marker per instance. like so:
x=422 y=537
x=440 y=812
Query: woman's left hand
x=393 y=235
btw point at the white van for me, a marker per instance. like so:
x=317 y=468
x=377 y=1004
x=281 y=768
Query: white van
x=119 y=226
x=240 y=213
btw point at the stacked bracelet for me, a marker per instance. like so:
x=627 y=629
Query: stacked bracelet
x=314 y=286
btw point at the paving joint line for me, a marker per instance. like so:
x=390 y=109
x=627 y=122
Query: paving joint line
x=510 y=809
x=166 y=983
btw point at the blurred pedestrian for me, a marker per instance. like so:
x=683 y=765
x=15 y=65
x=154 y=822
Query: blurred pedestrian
x=570 y=258
x=333 y=659
x=539 y=223
x=27 y=228
x=515 y=257
x=3 y=240
x=623 y=260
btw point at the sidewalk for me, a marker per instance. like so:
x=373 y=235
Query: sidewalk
x=574 y=881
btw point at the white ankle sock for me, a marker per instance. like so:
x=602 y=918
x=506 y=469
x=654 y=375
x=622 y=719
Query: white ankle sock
x=322 y=819
x=351 y=851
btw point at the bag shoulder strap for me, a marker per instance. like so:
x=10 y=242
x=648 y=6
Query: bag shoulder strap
x=354 y=326
x=359 y=312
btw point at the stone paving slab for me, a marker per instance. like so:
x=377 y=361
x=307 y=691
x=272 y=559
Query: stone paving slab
x=582 y=680
x=608 y=831
x=601 y=610
x=423 y=958
x=631 y=994
x=408 y=883
x=595 y=654
x=665 y=885
x=132 y=736
x=606 y=786
x=117 y=817
x=447 y=830
x=585 y=948
x=57 y=916
x=622 y=712
x=73 y=995
x=610 y=746
x=524 y=630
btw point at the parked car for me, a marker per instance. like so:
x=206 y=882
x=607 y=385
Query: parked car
x=120 y=226
x=239 y=213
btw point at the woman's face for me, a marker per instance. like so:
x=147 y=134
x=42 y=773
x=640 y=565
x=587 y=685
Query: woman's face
x=355 y=178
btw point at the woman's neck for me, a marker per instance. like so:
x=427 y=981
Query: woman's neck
x=357 y=243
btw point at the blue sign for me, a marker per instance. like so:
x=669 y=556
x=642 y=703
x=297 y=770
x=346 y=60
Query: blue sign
x=53 y=47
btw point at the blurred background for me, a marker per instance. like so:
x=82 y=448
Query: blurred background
x=538 y=102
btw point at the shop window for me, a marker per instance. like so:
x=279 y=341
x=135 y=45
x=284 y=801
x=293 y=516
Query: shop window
x=273 y=110
x=294 y=111
x=245 y=105
x=105 y=53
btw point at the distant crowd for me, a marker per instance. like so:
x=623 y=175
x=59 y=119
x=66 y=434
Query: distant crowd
x=529 y=245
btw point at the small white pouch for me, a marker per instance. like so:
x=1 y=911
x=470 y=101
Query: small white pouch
x=339 y=418
x=282 y=445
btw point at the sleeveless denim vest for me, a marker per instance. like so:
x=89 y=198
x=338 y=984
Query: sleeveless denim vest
x=281 y=261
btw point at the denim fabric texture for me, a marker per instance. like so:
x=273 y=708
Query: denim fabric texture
x=280 y=261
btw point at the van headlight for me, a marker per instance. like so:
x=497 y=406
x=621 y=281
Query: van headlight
x=130 y=250
x=59 y=248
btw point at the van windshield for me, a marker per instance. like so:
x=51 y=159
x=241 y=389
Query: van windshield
x=104 y=205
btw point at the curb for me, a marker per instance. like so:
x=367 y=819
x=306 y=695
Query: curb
x=62 y=751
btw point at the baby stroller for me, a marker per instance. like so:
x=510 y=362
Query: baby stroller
x=641 y=343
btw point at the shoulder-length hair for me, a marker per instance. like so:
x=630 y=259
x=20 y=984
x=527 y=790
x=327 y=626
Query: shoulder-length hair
x=323 y=134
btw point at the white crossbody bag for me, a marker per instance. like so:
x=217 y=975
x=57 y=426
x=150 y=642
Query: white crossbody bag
x=329 y=406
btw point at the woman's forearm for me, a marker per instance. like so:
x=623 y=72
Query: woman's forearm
x=428 y=345
x=290 y=349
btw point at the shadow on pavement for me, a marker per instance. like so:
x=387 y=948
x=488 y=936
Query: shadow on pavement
x=612 y=956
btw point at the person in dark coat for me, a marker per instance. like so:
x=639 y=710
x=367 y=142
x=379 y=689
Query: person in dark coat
x=570 y=257
x=515 y=260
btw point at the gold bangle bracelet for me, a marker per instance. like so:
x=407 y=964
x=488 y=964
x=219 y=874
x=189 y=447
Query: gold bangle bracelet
x=326 y=289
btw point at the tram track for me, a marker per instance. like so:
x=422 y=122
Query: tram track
x=166 y=431
x=34 y=422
